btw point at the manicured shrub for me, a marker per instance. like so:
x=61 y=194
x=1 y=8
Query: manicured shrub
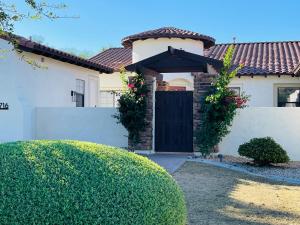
x=263 y=151
x=71 y=182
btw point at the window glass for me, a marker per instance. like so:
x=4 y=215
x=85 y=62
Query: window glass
x=288 y=96
x=79 y=94
x=80 y=86
x=79 y=100
x=236 y=90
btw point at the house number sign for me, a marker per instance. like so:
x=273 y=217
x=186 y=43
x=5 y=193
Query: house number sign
x=4 y=106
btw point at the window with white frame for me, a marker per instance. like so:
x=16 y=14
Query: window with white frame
x=288 y=96
x=109 y=98
x=236 y=90
x=79 y=94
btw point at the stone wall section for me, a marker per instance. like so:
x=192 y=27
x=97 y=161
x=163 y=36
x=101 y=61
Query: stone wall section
x=146 y=136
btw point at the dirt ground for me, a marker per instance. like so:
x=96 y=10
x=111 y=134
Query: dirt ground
x=217 y=196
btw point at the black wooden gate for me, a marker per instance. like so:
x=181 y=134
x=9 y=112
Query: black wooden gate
x=174 y=121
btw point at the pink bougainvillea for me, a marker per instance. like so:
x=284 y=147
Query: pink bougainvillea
x=130 y=85
x=240 y=102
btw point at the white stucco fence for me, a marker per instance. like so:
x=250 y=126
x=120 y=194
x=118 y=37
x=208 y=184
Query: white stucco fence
x=282 y=124
x=84 y=124
x=98 y=125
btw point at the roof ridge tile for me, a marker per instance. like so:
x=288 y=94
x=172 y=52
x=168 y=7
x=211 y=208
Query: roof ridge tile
x=168 y=32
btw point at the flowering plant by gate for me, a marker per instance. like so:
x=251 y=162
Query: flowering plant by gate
x=132 y=106
x=219 y=108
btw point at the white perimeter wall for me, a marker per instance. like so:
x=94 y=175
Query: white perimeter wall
x=282 y=124
x=84 y=124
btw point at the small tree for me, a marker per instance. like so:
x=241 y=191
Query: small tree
x=10 y=15
x=133 y=107
x=219 y=107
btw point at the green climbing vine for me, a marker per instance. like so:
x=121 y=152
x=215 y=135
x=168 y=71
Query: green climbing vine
x=219 y=107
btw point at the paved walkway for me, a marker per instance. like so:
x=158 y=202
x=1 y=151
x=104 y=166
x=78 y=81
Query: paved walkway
x=171 y=162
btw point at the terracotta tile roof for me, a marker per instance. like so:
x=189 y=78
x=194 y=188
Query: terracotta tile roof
x=297 y=70
x=114 y=58
x=169 y=32
x=262 y=58
x=27 y=45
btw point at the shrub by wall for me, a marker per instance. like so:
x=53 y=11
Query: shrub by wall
x=263 y=151
x=71 y=182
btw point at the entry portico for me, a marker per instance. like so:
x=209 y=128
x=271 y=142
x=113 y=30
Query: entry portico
x=172 y=117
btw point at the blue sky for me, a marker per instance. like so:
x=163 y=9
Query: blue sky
x=103 y=23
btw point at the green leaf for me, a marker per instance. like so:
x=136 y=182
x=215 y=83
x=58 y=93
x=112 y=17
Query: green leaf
x=36 y=17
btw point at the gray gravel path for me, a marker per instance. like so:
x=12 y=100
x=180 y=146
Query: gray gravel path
x=283 y=174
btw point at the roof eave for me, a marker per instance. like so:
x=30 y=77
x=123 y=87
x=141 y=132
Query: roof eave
x=208 y=42
x=64 y=57
x=198 y=63
x=264 y=74
x=29 y=46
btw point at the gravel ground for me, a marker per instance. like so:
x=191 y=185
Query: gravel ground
x=218 y=196
x=288 y=170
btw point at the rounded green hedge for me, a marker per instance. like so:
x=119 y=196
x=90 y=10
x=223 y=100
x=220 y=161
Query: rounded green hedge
x=71 y=182
x=263 y=151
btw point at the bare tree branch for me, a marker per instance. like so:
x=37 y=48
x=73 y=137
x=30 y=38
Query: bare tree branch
x=10 y=15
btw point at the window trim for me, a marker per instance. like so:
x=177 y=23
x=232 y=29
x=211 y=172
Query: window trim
x=284 y=85
x=240 y=86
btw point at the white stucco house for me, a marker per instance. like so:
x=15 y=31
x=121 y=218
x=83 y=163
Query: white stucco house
x=39 y=81
x=42 y=102
x=271 y=76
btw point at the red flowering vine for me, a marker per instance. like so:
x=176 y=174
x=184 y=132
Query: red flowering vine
x=132 y=107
